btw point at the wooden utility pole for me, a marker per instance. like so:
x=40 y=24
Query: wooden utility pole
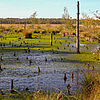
x=77 y=29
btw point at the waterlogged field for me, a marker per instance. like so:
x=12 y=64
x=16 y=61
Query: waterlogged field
x=33 y=64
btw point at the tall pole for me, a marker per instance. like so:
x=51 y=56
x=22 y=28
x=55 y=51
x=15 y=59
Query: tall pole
x=51 y=38
x=77 y=29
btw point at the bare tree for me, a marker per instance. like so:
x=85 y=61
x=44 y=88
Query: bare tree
x=77 y=29
x=66 y=14
x=90 y=28
x=97 y=14
x=69 y=27
x=33 y=18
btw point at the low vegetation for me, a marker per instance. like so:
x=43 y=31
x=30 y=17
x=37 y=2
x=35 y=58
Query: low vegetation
x=90 y=90
x=27 y=38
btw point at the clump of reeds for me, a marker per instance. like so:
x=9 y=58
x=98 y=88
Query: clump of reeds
x=90 y=85
x=45 y=96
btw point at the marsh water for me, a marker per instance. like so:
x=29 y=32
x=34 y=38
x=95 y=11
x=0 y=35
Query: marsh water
x=22 y=68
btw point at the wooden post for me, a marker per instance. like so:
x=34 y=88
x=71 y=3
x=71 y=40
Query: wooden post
x=1 y=23
x=11 y=86
x=77 y=29
x=1 y=58
x=68 y=87
x=0 y=68
x=25 y=24
x=51 y=38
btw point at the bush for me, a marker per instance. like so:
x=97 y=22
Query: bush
x=28 y=35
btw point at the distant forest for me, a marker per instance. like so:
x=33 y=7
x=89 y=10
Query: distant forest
x=35 y=21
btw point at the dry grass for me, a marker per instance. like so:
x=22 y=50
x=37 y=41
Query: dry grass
x=90 y=86
x=28 y=25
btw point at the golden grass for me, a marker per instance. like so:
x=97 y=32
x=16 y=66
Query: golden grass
x=90 y=86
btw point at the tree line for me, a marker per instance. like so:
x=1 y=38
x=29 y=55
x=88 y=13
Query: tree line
x=36 y=21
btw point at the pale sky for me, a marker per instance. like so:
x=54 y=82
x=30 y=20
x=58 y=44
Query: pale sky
x=45 y=8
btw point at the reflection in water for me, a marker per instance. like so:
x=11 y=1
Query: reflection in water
x=55 y=72
x=26 y=76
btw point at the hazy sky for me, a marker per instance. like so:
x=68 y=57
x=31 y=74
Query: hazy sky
x=45 y=8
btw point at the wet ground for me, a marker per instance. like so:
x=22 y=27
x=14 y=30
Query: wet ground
x=22 y=68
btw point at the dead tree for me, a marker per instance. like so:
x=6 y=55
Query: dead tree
x=77 y=29
x=51 y=39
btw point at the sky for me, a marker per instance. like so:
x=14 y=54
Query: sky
x=45 y=8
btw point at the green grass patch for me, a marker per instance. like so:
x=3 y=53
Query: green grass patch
x=83 y=58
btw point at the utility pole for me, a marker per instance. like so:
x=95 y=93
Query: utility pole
x=77 y=29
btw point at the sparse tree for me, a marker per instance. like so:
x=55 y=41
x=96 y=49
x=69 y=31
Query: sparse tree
x=90 y=29
x=97 y=14
x=69 y=27
x=33 y=18
x=66 y=14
